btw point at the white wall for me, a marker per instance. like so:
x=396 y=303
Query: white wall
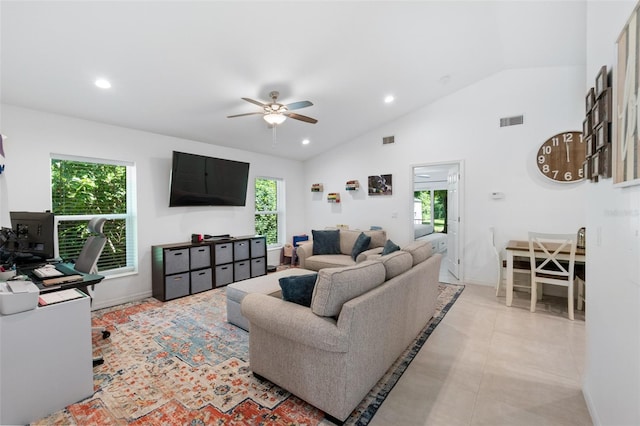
x=612 y=375
x=25 y=184
x=465 y=126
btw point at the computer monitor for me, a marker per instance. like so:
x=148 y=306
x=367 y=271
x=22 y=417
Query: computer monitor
x=34 y=239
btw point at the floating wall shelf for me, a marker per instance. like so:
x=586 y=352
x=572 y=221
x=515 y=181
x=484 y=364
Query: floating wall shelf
x=352 y=185
x=333 y=197
x=317 y=187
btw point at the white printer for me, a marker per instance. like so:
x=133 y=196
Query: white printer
x=18 y=296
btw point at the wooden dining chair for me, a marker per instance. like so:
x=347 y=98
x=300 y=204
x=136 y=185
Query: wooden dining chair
x=552 y=258
x=519 y=266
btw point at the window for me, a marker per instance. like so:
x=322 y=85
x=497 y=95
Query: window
x=83 y=188
x=430 y=207
x=269 y=217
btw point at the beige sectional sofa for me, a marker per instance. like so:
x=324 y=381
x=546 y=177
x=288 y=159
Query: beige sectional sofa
x=361 y=318
x=347 y=238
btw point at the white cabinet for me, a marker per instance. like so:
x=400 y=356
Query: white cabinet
x=45 y=360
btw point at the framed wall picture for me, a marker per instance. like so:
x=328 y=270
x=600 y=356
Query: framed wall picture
x=605 y=161
x=589 y=145
x=596 y=114
x=601 y=81
x=587 y=125
x=586 y=168
x=604 y=102
x=602 y=135
x=589 y=100
x=595 y=166
x=380 y=185
x=626 y=148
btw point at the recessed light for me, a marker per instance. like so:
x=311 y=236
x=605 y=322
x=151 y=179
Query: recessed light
x=306 y=142
x=388 y=99
x=102 y=83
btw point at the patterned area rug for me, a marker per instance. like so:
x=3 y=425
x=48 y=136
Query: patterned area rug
x=180 y=362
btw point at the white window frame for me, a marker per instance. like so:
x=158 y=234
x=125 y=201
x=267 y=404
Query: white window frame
x=130 y=217
x=280 y=210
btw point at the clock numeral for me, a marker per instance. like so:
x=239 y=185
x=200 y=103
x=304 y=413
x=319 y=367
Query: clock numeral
x=568 y=176
x=580 y=173
x=546 y=168
x=567 y=137
x=546 y=150
x=555 y=174
x=555 y=141
x=541 y=159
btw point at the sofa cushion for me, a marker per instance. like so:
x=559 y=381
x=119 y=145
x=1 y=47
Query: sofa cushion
x=361 y=244
x=326 y=241
x=335 y=286
x=419 y=250
x=348 y=238
x=322 y=261
x=298 y=289
x=378 y=238
x=396 y=263
x=389 y=247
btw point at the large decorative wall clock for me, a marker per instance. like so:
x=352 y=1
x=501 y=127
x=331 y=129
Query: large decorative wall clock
x=560 y=158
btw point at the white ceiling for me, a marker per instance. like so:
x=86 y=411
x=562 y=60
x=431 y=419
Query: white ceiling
x=180 y=67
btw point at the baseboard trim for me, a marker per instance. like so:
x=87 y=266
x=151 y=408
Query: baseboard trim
x=119 y=301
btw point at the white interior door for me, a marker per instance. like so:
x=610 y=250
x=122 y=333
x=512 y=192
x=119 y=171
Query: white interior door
x=453 y=221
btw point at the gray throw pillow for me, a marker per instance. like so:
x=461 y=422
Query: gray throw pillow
x=361 y=244
x=326 y=242
x=389 y=247
x=298 y=288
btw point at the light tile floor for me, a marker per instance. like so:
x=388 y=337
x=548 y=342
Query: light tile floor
x=488 y=364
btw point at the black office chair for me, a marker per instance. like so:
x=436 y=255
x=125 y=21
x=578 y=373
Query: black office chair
x=87 y=262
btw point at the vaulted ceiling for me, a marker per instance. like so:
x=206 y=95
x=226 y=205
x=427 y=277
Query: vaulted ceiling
x=179 y=68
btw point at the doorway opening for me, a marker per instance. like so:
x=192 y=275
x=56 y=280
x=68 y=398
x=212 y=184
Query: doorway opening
x=437 y=196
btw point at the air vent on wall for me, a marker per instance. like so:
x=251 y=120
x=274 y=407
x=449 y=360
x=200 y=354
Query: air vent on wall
x=388 y=139
x=511 y=121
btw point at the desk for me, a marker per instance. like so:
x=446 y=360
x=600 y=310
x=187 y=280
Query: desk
x=519 y=248
x=87 y=279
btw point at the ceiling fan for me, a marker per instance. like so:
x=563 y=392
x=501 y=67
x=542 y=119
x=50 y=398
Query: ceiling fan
x=276 y=113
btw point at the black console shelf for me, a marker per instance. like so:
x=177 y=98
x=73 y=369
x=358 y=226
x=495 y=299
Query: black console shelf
x=188 y=268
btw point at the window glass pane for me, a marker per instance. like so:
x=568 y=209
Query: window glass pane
x=266 y=195
x=88 y=188
x=267 y=225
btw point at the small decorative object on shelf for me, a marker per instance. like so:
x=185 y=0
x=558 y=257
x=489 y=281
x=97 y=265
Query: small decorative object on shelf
x=352 y=185
x=333 y=197
x=317 y=187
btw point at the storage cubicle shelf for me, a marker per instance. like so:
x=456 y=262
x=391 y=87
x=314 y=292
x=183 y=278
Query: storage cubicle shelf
x=317 y=187
x=188 y=268
x=333 y=197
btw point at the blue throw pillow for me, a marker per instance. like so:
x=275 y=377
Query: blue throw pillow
x=361 y=244
x=298 y=288
x=326 y=242
x=390 y=247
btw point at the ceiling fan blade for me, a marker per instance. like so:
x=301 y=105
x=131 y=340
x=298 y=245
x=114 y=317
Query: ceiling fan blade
x=302 y=117
x=260 y=104
x=246 y=113
x=298 y=105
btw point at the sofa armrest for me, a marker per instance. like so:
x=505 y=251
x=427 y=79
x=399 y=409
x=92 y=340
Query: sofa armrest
x=365 y=254
x=293 y=322
x=304 y=251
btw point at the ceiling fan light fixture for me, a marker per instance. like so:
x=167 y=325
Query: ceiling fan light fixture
x=273 y=118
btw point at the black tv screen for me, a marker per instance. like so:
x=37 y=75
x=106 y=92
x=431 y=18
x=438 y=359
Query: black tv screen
x=197 y=180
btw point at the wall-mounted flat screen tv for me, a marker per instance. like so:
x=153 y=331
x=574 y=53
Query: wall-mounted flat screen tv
x=197 y=180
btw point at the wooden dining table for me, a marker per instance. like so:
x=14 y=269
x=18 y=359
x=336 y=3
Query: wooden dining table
x=520 y=248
